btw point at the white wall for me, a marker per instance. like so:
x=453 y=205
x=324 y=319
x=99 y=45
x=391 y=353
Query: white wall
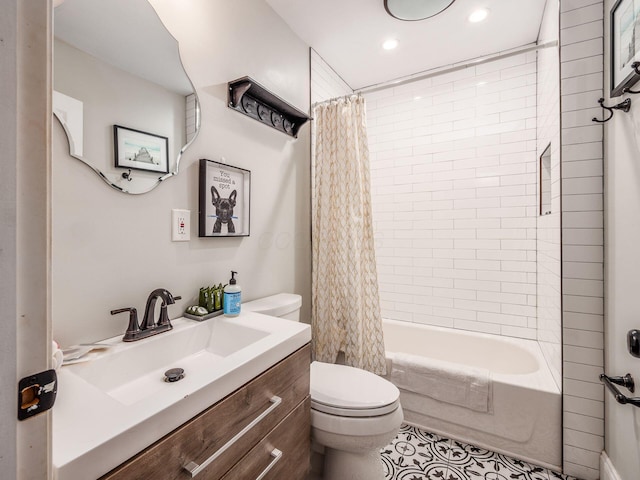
x=110 y=250
x=549 y=286
x=453 y=172
x=581 y=67
x=622 y=307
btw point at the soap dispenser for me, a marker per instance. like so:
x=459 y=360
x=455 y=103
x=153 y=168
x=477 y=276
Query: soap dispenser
x=231 y=301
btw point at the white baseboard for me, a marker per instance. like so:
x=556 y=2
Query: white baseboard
x=607 y=470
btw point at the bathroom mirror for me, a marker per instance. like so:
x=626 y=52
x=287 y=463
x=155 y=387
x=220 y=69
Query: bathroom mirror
x=115 y=64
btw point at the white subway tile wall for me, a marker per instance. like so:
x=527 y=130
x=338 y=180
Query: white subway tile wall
x=581 y=73
x=191 y=117
x=325 y=84
x=549 y=280
x=453 y=172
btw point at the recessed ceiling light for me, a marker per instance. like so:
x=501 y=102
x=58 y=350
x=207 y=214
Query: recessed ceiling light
x=478 y=15
x=390 y=44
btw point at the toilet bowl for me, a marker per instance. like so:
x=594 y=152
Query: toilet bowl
x=354 y=413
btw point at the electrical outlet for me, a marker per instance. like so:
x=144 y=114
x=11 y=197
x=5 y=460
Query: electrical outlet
x=180 y=225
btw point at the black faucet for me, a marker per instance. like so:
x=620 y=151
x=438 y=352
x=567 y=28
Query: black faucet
x=148 y=326
x=148 y=320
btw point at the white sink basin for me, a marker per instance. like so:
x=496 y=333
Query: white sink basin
x=117 y=404
x=131 y=372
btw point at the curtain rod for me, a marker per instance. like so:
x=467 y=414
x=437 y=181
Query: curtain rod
x=334 y=99
x=454 y=67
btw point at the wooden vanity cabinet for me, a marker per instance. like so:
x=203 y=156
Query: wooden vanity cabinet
x=277 y=401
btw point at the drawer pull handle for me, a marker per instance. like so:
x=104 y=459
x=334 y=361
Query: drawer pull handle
x=277 y=455
x=194 y=469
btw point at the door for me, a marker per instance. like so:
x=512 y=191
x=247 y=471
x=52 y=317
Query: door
x=25 y=115
x=622 y=286
x=622 y=296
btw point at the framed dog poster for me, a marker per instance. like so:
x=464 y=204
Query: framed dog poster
x=224 y=194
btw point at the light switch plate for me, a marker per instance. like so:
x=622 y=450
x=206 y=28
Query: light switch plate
x=180 y=225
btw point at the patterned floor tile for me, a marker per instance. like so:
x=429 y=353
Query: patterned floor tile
x=559 y=476
x=418 y=455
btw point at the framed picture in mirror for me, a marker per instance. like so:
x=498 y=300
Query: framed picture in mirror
x=224 y=200
x=140 y=150
x=625 y=45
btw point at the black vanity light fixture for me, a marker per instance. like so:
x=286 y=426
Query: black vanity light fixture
x=412 y=10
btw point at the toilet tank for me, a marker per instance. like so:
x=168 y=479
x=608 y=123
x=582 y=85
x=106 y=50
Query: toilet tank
x=283 y=305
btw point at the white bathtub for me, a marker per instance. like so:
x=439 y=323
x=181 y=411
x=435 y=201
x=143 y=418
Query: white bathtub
x=526 y=417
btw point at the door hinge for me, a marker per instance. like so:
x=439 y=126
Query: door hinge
x=37 y=393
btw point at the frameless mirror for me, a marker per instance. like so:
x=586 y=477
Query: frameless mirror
x=121 y=93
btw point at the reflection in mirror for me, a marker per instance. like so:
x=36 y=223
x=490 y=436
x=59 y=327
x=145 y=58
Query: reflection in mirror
x=115 y=63
x=545 y=181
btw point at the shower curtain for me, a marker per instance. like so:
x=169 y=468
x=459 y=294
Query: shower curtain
x=345 y=304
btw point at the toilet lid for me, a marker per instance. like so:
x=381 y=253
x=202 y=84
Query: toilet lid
x=352 y=392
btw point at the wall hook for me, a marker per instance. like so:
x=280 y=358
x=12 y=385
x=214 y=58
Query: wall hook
x=624 y=106
x=636 y=68
x=127 y=175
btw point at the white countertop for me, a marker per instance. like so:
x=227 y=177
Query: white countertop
x=98 y=424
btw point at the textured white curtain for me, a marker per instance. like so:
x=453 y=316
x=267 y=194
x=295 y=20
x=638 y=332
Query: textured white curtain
x=345 y=303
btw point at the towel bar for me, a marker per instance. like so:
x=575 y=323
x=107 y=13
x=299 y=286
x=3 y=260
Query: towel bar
x=627 y=382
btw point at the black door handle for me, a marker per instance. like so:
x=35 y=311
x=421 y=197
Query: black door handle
x=627 y=382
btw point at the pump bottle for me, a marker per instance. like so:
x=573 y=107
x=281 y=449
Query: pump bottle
x=232 y=297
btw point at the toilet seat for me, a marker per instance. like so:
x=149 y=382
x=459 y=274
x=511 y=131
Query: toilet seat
x=351 y=392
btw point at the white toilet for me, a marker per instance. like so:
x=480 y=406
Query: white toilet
x=354 y=413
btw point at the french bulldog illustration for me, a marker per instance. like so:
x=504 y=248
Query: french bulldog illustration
x=224 y=210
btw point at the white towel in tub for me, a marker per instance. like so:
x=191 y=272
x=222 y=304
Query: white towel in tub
x=448 y=382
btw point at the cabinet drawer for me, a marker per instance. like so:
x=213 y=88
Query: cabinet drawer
x=283 y=454
x=206 y=434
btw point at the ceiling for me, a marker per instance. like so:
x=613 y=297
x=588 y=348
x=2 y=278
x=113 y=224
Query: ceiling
x=349 y=34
